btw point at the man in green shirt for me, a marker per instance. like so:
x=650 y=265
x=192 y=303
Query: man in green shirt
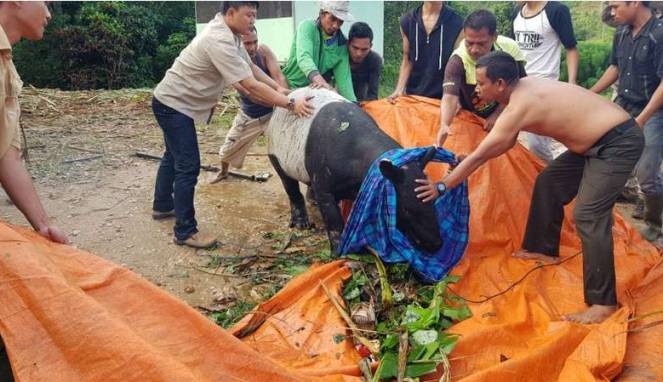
x=319 y=51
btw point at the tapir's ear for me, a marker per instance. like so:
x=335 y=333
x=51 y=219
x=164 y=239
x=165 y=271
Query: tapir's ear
x=391 y=172
x=428 y=156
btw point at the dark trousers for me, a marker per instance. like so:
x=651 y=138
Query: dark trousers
x=596 y=177
x=6 y=374
x=179 y=169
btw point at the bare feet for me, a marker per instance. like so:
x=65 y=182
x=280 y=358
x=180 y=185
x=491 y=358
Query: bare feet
x=527 y=255
x=220 y=176
x=593 y=315
x=225 y=169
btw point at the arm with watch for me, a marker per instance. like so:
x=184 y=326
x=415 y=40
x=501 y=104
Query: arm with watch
x=500 y=139
x=264 y=94
x=429 y=191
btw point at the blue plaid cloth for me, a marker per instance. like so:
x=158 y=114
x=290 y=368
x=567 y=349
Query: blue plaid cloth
x=373 y=220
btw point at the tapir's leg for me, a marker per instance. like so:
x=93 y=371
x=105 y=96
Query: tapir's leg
x=331 y=214
x=298 y=214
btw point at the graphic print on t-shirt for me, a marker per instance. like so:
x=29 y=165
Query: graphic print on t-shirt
x=528 y=40
x=540 y=37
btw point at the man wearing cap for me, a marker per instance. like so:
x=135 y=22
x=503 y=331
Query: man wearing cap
x=319 y=52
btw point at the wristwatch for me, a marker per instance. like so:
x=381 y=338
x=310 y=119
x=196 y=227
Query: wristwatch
x=441 y=188
x=291 y=104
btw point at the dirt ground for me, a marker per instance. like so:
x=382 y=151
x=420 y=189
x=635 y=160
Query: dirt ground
x=80 y=153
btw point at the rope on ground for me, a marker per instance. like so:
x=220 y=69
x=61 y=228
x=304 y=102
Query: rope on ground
x=513 y=285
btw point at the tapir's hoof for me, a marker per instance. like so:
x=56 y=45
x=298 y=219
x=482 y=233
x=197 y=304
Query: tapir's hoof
x=334 y=243
x=311 y=197
x=300 y=224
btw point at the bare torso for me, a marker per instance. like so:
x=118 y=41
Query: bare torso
x=430 y=19
x=570 y=114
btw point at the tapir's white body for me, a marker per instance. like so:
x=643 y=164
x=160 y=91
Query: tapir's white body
x=287 y=133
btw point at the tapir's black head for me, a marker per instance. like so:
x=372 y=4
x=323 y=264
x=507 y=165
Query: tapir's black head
x=415 y=219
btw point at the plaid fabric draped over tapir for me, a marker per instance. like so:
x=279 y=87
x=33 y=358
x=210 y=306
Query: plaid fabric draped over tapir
x=372 y=221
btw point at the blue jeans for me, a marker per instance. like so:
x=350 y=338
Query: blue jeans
x=179 y=169
x=648 y=169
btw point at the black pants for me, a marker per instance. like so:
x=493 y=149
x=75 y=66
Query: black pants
x=178 y=172
x=596 y=177
x=5 y=367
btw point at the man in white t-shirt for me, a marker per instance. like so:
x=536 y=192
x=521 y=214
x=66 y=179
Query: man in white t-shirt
x=541 y=28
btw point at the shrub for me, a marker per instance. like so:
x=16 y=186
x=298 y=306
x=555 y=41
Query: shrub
x=106 y=45
x=594 y=59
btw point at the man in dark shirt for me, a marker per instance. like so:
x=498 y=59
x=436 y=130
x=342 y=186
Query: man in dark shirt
x=480 y=29
x=637 y=62
x=365 y=64
x=430 y=33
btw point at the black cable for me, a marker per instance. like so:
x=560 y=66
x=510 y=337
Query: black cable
x=488 y=298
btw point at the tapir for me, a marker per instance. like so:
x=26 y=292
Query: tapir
x=331 y=151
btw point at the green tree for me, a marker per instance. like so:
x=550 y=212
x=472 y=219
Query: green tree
x=110 y=47
x=171 y=48
x=595 y=58
x=106 y=44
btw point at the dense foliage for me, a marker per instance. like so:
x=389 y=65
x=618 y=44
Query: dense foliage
x=107 y=44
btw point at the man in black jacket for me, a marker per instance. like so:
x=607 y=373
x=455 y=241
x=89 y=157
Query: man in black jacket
x=430 y=34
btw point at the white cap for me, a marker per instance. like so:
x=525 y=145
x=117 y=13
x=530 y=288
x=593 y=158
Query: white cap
x=340 y=9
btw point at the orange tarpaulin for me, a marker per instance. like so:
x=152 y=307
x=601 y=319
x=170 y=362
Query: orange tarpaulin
x=517 y=336
x=66 y=315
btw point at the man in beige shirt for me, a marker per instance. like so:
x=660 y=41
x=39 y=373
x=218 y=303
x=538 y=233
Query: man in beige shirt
x=19 y=20
x=188 y=93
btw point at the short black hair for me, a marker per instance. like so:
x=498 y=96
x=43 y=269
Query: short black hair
x=646 y=4
x=498 y=65
x=237 y=4
x=480 y=19
x=360 y=30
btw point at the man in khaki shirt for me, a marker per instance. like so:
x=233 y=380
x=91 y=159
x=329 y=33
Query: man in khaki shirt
x=19 y=20
x=188 y=93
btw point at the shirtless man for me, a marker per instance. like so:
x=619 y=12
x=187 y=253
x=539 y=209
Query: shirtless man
x=604 y=145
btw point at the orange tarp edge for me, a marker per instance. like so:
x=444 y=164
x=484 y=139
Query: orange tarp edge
x=66 y=315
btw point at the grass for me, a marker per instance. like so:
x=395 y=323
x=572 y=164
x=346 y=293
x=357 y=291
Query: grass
x=293 y=259
x=233 y=314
